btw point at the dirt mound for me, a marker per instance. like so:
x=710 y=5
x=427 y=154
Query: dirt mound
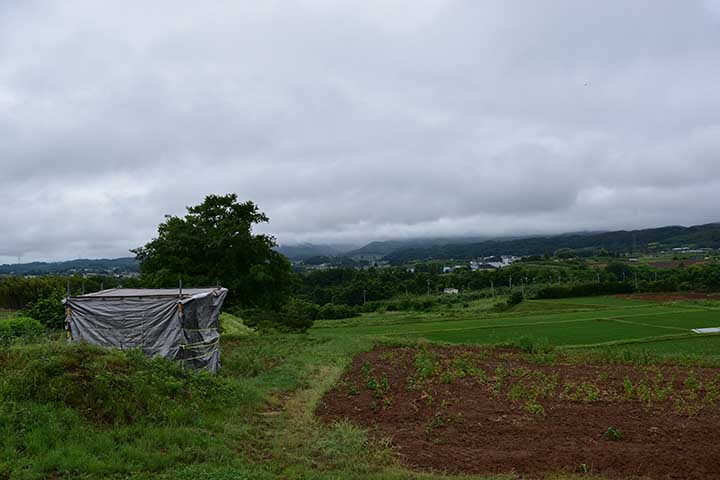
x=671 y=297
x=477 y=411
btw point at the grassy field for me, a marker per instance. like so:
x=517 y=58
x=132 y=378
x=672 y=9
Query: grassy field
x=567 y=322
x=74 y=411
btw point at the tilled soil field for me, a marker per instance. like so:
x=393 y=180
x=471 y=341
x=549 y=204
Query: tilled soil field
x=671 y=297
x=481 y=411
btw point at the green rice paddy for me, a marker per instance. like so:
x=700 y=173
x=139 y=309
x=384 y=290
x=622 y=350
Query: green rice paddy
x=590 y=321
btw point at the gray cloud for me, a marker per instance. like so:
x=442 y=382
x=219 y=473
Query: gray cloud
x=350 y=121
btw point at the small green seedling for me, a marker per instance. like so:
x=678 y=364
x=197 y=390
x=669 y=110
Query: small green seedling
x=613 y=434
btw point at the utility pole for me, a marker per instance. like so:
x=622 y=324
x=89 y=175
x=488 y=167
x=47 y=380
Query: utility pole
x=428 y=287
x=364 y=296
x=510 y=283
x=598 y=277
x=492 y=288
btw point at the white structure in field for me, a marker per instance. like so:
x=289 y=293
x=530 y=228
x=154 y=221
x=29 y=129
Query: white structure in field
x=451 y=291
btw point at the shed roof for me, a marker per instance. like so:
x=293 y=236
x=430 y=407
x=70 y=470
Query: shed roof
x=149 y=292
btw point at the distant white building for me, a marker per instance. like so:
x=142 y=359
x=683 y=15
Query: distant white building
x=488 y=263
x=451 y=291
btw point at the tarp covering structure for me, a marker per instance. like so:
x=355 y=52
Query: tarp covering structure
x=171 y=323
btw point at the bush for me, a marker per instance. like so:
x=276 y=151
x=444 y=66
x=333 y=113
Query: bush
x=49 y=311
x=515 y=299
x=586 y=290
x=531 y=344
x=331 y=311
x=295 y=316
x=12 y=329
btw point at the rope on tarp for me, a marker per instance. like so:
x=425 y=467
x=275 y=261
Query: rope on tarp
x=203 y=356
x=199 y=344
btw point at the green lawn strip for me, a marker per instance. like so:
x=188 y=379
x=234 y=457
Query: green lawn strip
x=468 y=325
x=598 y=302
x=619 y=320
x=557 y=334
x=408 y=317
x=686 y=320
x=635 y=341
x=496 y=319
x=704 y=346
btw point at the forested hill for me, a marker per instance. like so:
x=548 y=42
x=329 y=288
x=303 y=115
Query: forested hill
x=701 y=236
x=99 y=266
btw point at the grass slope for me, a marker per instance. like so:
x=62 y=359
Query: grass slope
x=75 y=411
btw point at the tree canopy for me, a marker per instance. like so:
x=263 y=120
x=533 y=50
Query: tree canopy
x=214 y=244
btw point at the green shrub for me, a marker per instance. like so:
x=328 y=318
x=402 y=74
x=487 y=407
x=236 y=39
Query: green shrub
x=109 y=386
x=295 y=316
x=335 y=312
x=531 y=344
x=232 y=325
x=49 y=311
x=515 y=299
x=586 y=290
x=15 y=328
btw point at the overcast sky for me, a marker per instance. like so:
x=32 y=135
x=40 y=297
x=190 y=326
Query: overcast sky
x=351 y=121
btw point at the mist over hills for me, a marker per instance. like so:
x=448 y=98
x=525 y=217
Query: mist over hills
x=122 y=265
x=423 y=249
x=700 y=236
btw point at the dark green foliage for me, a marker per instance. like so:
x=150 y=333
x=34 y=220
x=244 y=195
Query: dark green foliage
x=295 y=316
x=23 y=328
x=330 y=311
x=532 y=345
x=214 y=244
x=586 y=290
x=49 y=311
x=18 y=292
x=515 y=298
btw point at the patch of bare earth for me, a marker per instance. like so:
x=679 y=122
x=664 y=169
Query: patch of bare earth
x=671 y=297
x=478 y=411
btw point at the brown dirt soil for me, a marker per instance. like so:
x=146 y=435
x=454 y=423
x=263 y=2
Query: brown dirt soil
x=479 y=411
x=671 y=297
x=669 y=264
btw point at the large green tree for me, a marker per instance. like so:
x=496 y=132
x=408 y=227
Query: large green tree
x=214 y=244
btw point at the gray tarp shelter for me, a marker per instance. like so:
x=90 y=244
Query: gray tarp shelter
x=171 y=323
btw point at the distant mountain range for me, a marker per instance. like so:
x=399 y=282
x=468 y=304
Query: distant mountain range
x=303 y=251
x=701 y=236
x=459 y=248
x=102 y=266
